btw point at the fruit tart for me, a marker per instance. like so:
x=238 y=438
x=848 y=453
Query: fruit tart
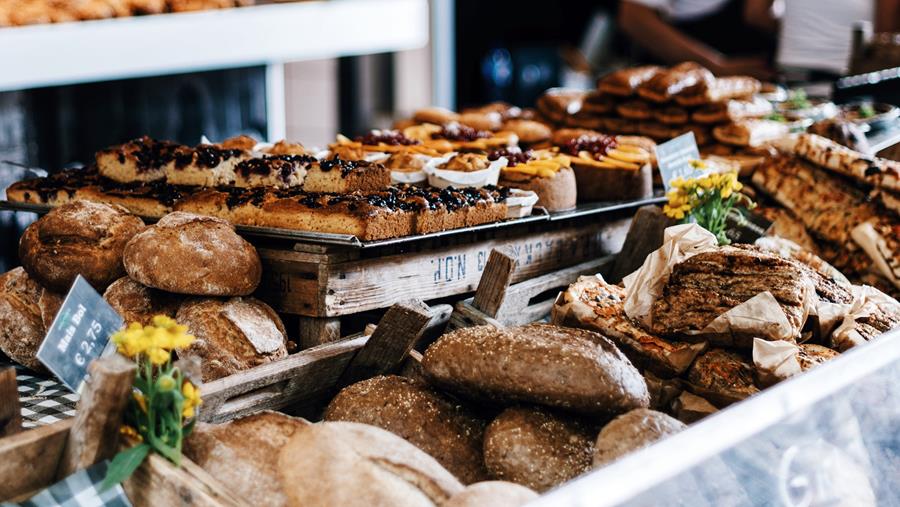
x=546 y=172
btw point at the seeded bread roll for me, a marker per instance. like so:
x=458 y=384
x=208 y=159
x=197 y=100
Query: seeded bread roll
x=22 y=326
x=571 y=369
x=139 y=303
x=432 y=422
x=193 y=254
x=536 y=448
x=232 y=335
x=493 y=493
x=82 y=237
x=632 y=431
x=357 y=465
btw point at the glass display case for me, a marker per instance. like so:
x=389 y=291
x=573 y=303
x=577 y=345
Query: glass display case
x=830 y=437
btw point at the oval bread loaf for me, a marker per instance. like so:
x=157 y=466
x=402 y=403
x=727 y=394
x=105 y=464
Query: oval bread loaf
x=536 y=448
x=632 y=431
x=427 y=419
x=22 y=317
x=139 y=303
x=193 y=254
x=492 y=493
x=80 y=238
x=571 y=369
x=232 y=335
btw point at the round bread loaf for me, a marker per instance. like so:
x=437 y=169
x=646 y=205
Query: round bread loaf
x=357 y=465
x=193 y=254
x=432 y=422
x=232 y=335
x=632 y=431
x=560 y=367
x=26 y=312
x=492 y=493
x=139 y=303
x=80 y=238
x=535 y=448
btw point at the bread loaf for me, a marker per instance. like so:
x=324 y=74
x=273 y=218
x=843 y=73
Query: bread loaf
x=443 y=428
x=571 y=369
x=722 y=377
x=632 y=431
x=232 y=335
x=22 y=325
x=493 y=494
x=357 y=465
x=139 y=303
x=193 y=254
x=80 y=238
x=240 y=454
x=536 y=448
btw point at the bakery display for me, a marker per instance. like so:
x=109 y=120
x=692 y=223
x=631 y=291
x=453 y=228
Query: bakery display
x=136 y=302
x=34 y=12
x=80 y=238
x=544 y=172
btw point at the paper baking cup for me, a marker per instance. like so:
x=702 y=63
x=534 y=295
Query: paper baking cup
x=520 y=203
x=442 y=178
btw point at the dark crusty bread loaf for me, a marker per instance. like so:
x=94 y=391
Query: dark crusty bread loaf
x=722 y=377
x=232 y=335
x=443 y=428
x=559 y=367
x=80 y=238
x=241 y=454
x=139 y=303
x=193 y=254
x=536 y=448
x=493 y=494
x=357 y=465
x=632 y=431
x=22 y=317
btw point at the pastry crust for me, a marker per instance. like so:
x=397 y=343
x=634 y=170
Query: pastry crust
x=720 y=89
x=750 y=132
x=635 y=110
x=625 y=82
x=664 y=85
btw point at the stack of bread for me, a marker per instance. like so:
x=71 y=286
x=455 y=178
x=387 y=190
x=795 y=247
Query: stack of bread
x=193 y=268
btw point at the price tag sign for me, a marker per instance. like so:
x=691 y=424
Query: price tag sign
x=674 y=158
x=80 y=333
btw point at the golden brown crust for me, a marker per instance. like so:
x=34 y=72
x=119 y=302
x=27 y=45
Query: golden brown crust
x=529 y=131
x=22 y=328
x=139 y=303
x=557 y=193
x=666 y=84
x=625 y=82
x=83 y=237
x=722 y=377
x=432 y=422
x=632 y=431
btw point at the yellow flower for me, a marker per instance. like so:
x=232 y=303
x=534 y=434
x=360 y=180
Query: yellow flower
x=191 y=399
x=166 y=383
x=130 y=432
x=158 y=355
x=141 y=400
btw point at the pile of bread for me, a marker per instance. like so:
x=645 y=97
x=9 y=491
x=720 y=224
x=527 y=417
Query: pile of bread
x=35 y=12
x=193 y=268
x=534 y=406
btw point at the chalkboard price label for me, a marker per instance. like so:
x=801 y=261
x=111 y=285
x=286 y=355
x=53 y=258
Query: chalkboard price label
x=674 y=158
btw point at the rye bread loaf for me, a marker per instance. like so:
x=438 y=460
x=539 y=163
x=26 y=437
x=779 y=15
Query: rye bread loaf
x=632 y=431
x=438 y=425
x=232 y=335
x=570 y=369
x=357 y=465
x=138 y=303
x=80 y=238
x=26 y=312
x=722 y=377
x=492 y=493
x=240 y=454
x=536 y=448
x=193 y=254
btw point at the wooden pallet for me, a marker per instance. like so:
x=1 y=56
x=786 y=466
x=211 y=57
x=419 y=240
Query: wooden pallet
x=322 y=283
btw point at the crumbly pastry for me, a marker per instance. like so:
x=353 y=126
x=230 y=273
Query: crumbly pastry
x=625 y=82
x=22 y=327
x=536 y=448
x=750 y=132
x=874 y=171
x=720 y=89
x=722 y=377
x=285 y=148
x=493 y=493
x=232 y=335
x=557 y=103
x=664 y=85
x=319 y=462
x=205 y=165
x=544 y=172
x=435 y=115
x=593 y=304
x=482 y=120
x=732 y=110
x=571 y=369
x=630 y=432
x=635 y=110
x=607 y=168
x=336 y=175
x=455 y=136
x=193 y=254
x=81 y=238
x=380 y=141
x=139 y=303
x=812 y=355
x=441 y=427
x=278 y=171
x=528 y=131
x=142 y=159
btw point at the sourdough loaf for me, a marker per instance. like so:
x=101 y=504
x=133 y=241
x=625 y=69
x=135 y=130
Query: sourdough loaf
x=632 y=431
x=139 y=303
x=26 y=312
x=492 y=493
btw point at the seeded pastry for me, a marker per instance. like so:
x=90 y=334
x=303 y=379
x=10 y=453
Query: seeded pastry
x=142 y=159
x=336 y=175
x=205 y=165
x=279 y=171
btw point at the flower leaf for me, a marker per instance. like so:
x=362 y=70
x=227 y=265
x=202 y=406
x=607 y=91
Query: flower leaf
x=124 y=464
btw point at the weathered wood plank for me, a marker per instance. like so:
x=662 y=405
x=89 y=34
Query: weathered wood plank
x=95 y=431
x=644 y=236
x=495 y=280
x=10 y=408
x=29 y=459
x=158 y=482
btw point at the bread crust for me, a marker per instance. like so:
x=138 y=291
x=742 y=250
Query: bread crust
x=493 y=493
x=607 y=184
x=138 y=303
x=557 y=193
x=193 y=254
x=632 y=431
x=21 y=326
x=82 y=237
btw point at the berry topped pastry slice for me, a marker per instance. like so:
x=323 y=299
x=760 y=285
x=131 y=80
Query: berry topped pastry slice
x=455 y=136
x=545 y=172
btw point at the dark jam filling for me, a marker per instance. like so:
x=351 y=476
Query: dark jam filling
x=514 y=155
x=209 y=156
x=283 y=166
x=594 y=144
x=409 y=198
x=390 y=137
x=346 y=166
x=239 y=196
x=150 y=154
x=460 y=132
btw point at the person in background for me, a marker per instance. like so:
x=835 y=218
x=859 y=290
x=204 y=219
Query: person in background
x=726 y=36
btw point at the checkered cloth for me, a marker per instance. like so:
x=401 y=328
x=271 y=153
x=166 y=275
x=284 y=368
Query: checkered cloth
x=44 y=399
x=80 y=489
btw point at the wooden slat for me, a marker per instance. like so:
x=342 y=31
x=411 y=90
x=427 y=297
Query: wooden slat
x=466 y=315
x=494 y=282
x=158 y=482
x=397 y=332
x=10 y=408
x=29 y=459
x=644 y=236
x=278 y=384
x=95 y=430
